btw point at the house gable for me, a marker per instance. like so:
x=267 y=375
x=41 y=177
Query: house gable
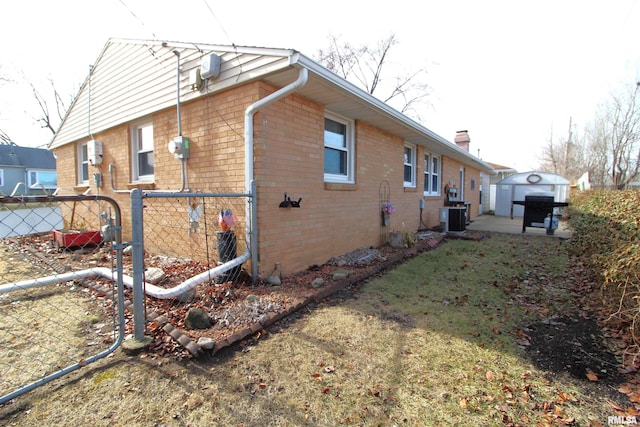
x=134 y=79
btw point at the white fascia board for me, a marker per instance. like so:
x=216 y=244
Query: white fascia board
x=449 y=148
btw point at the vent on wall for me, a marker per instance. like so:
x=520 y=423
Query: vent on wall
x=210 y=66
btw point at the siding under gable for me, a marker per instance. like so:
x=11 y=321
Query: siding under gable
x=135 y=79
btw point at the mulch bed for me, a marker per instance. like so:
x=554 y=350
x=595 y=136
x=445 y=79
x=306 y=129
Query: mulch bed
x=239 y=321
x=239 y=310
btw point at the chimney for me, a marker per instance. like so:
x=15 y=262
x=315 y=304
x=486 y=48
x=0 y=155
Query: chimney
x=462 y=139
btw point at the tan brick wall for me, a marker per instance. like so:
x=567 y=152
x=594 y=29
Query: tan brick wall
x=215 y=127
x=333 y=219
x=451 y=171
x=289 y=152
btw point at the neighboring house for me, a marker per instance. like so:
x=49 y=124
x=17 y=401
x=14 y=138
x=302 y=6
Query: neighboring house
x=26 y=170
x=584 y=183
x=501 y=172
x=270 y=115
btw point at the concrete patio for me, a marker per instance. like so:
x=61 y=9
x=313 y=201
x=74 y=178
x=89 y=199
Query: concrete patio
x=504 y=224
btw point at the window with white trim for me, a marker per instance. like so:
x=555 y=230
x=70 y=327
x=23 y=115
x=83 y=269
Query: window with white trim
x=431 y=175
x=83 y=164
x=142 y=146
x=409 y=165
x=39 y=179
x=339 y=150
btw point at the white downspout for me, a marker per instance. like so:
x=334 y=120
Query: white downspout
x=252 y=208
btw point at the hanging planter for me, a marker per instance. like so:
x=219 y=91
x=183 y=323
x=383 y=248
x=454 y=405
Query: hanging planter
x=387 y=210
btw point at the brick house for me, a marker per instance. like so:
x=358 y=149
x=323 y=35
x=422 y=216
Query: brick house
x=270 y=115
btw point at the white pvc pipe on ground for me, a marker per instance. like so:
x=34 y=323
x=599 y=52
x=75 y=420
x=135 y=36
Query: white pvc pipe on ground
x=150 y=289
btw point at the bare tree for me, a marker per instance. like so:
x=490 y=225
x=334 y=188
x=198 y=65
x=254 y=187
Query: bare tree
x=4 y=138
x=48 y=118
x=614 y=138
x=564 y=156
x=45 y=119
x=364 y=66
x=596 y=159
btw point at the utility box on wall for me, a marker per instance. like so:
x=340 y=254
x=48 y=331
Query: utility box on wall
x=94 y=152
x=210 y=66
x=179 y=147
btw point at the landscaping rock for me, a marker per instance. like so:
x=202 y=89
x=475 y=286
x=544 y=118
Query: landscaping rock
x=274 y=280
x=396 y=239
x=197 y=318
x=358 y=257
x=318 y=282
x=341 y=274
x=206 y=343
x=154 y=275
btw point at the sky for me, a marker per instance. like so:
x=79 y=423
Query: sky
x=512 y=73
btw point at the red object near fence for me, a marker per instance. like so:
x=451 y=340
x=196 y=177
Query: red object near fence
x=69 y=239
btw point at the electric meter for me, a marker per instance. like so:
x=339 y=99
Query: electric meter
x=179 y=147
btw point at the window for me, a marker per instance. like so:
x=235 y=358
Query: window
x=338 y=149
x=39 y=179
x=83 y=164
x=431 y=175
x=409 y=165
x=1 y=177
x=142 y=144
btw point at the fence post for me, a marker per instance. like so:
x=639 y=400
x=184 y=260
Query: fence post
x=252 y=222
x=137 y=258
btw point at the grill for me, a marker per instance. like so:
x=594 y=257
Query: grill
x=536 y=208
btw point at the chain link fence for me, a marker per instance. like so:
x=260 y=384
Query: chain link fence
x=66 y=276
x=61 y=291
x=185 y=248
x=206 y=229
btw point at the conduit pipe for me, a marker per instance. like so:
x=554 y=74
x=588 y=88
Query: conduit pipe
x=248 y=158
x=150 y=289
x=184 y=172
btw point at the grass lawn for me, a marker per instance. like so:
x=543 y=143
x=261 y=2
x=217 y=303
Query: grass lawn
x=441 y=340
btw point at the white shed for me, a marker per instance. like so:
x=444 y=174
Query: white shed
x=515 y=187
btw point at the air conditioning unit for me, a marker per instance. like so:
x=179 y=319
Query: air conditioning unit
x=210 y=66
x=453 y=219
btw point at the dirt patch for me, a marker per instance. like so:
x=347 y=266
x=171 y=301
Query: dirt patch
x=573 y=345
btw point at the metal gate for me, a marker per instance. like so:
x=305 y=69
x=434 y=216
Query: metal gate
x=61 y=287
